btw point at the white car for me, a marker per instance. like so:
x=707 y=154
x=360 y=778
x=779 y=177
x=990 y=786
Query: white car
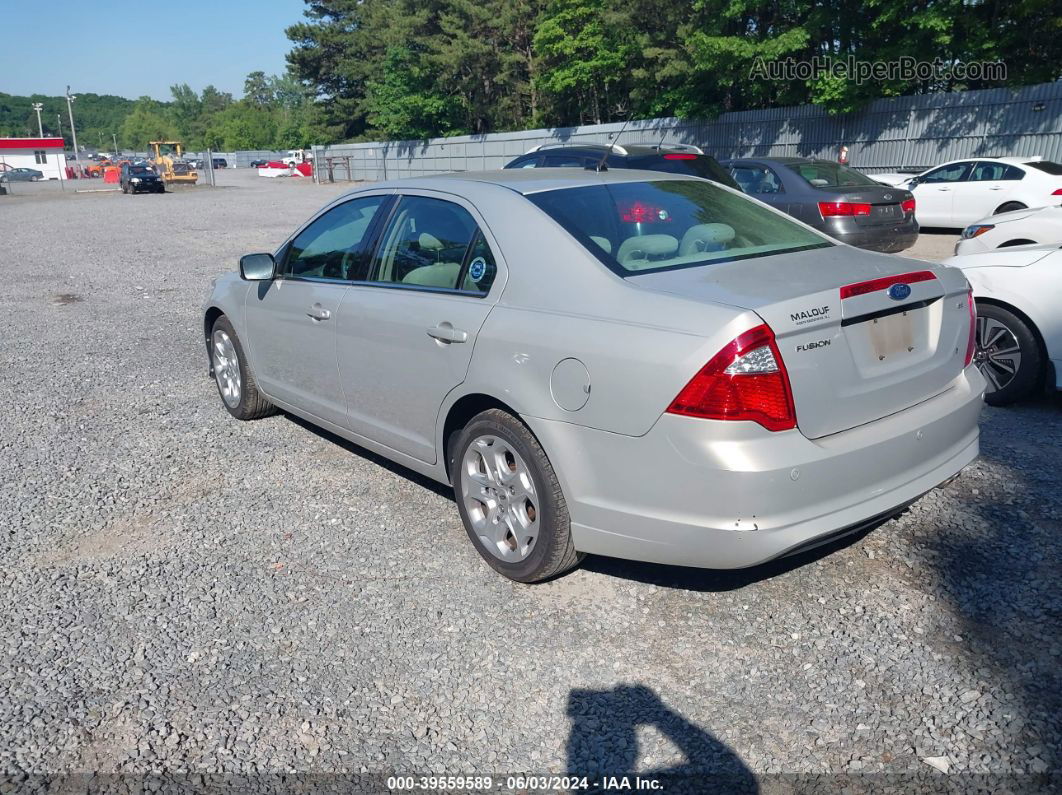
x=964 y=191
x=1016 y=228
x=1018 y=292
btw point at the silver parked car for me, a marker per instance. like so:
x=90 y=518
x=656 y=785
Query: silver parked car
x=628 y=363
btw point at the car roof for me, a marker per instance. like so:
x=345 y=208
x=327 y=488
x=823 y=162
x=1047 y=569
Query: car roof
x=531 y=180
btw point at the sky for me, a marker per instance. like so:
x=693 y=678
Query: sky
x=132 y=47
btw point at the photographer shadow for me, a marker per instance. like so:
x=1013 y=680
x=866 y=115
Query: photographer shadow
x=603 y=744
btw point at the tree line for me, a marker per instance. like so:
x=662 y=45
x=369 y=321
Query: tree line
x=410 y=69
x=275 y=113
x=407 y=69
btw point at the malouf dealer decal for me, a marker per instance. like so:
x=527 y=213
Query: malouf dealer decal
x=809 y=315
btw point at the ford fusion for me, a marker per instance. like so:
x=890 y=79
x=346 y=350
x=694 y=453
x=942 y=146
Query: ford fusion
x=624 y=363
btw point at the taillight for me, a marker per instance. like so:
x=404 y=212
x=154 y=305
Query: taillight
x=830 y=209
x=1057 y=192
x=746 y=380
x=637 y=213
x=908 y=205
x=680 y=157
x=971 y=344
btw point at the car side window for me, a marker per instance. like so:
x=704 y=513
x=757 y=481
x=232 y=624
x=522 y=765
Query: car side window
x=425 y=244
x=336 y=245
x=988 y=172
x=1013 y=173
x=481 y=268
x=953 y=172
x=564 y=161
x=757 y=179
x=529 y=162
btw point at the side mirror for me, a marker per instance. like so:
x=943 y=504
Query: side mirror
x=257 y=267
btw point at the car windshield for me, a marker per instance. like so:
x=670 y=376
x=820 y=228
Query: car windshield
x=139 y=171
x=831 y=175
x=635 y=227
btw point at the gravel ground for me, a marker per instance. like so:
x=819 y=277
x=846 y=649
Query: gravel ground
x=184 y=592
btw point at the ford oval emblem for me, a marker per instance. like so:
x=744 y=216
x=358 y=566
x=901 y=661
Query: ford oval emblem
x=899 y=291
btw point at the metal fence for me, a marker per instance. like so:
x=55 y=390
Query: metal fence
x=903 y=133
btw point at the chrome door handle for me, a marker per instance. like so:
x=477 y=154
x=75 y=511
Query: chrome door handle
x=445 y=332
x=318 y=313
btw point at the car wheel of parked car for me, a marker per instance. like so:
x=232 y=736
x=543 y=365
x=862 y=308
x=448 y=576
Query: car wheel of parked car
x=232 y=372
x=1007 y=354
x=510 y=500
x=1010 y=243
x=1009 y=207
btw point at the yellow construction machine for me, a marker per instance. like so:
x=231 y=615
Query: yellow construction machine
x=167 y=157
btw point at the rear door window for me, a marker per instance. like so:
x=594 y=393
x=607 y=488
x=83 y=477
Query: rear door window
x=635 y=227
x=435 y=244
x=994 y=172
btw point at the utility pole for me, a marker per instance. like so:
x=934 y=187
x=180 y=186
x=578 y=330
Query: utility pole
x=73 y=131
x=37 y=106
x=115 y=139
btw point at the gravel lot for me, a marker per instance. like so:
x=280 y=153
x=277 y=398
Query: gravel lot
x=184 y=592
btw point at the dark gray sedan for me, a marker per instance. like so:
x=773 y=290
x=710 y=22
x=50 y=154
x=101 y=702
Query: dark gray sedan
x=21 y=175
x=836 y=199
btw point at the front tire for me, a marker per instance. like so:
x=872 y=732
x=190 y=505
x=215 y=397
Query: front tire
x=1007 y=354
x=510 y=500
x=233 y=375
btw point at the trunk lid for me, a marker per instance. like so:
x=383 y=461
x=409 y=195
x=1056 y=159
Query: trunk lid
x=853 y=359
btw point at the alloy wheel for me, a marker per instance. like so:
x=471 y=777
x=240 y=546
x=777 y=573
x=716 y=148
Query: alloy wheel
x=226 y=368
x=500 y=498
x=998 y=354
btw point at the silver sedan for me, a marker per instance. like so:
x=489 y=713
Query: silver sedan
x=625 y=363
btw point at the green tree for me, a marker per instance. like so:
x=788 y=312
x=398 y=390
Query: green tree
x=147 y=122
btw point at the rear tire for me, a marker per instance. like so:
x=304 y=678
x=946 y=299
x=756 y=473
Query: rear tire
x=510 y=500
x=1007 y=354
x=233 y=374
x=1007 y=207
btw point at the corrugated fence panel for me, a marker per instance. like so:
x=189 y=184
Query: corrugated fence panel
x=901 y=133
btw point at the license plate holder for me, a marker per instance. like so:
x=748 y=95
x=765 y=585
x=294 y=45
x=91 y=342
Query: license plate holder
x=892 y=335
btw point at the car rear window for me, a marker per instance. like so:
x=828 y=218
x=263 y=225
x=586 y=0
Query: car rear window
x=681 y=163
x=639 y=227
x=1054 y=169
x=831 y=175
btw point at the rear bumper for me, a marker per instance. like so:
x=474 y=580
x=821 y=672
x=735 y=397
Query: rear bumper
x=886 y=238
x=730 y=494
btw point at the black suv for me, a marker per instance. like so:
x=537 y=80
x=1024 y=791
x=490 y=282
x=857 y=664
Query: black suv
x=137 y=178
x=673 y=158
